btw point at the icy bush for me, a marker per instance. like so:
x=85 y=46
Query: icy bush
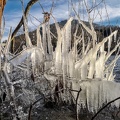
x=67 y=68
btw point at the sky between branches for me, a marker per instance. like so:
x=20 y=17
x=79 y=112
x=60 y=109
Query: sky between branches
x=61 y=11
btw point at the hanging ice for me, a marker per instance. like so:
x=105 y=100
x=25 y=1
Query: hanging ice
x=96 y=92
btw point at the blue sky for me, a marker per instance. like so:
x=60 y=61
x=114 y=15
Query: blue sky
x=13 y=12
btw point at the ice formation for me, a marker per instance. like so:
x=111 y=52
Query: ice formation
x=95 y=93
x=86 y=69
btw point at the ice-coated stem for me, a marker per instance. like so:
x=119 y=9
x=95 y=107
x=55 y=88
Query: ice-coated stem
x=10 y=91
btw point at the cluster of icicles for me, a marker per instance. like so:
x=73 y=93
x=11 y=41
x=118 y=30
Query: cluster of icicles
x=88 y=68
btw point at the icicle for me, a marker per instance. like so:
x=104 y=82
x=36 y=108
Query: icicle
x=93 y=57
x=92 y=65
x=96 y=92
x=100 y=95
x=71 y=59
x=68 y=34
x=83 y=43
x=19 y=58
x=99 y=66
x=82 y=97
x=28 y=62
x=115 y=36
x=50 y=47
x=44 y=40
x=39 y=41
x=8 y=67
x=86 y=59
x=102 y=48
x=109 y=43
x=58 y=51
x=111 y=76
x=110 y=68
x=84 y=70
x=88 y=97
x=90 y=57
x=87 y=48
x=111 y=52
x=66 y=31
x=28 y=40
x=64 y=59
x=75 y=42
x=37 y=59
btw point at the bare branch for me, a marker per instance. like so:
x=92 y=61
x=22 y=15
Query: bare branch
x=41 y=7
x=27 y=9
x=104 y=107
x=81 y=22
x=91 y=9
x=77 y=114
x=52 y=7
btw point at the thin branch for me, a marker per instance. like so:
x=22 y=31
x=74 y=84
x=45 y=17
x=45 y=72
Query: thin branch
x=104 y=107
x=41 y=7
x=106 y=11
x=31 y=106
x=35 y=18
x=52 y=7
x=91 y=9
x=25 y=27
x=32 y=21
x=80 y=21
x=77 y=114
x=41 y=24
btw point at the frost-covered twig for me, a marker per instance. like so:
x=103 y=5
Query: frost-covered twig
x=10 y=91
x=27 y=37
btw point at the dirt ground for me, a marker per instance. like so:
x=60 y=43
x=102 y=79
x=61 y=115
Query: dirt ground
x=68 y=113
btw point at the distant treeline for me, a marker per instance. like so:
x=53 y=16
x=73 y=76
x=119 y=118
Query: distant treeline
x=102 y=32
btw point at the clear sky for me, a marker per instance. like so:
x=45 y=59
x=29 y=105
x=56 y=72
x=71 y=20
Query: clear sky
x=13 y=12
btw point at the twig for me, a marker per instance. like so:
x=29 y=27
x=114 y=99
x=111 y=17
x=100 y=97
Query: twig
x=51 y=10
x=35 y=18
x=32 y=22
x=77 y=116
x=91 y=9
x=31 y=106
x=81 y=22
x=106 y=11
x=104 y=107
x=41 y=6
